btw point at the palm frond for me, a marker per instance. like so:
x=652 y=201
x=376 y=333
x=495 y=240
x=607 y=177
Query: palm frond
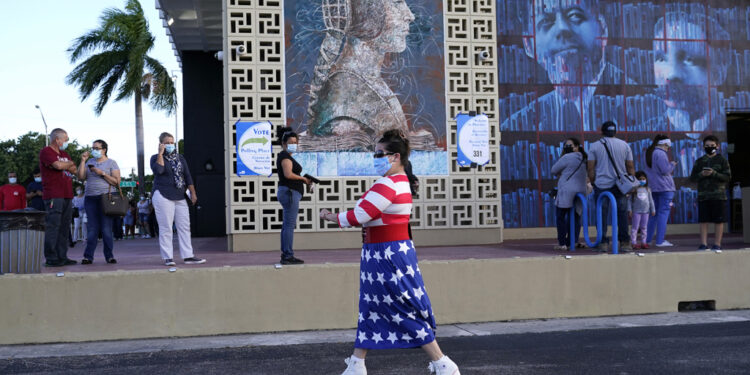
x=89 y=74
x=106 y=88
x=163 y=93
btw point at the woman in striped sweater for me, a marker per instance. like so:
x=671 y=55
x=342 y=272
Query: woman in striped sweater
x=394 y=309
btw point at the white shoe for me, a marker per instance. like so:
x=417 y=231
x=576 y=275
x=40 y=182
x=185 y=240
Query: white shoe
x=355 y=366
x=444 y=366
x=664 y=244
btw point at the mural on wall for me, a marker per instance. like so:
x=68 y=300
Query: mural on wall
x=659 y=67
x=357 y=68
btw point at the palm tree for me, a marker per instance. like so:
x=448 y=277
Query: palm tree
x=117 y=58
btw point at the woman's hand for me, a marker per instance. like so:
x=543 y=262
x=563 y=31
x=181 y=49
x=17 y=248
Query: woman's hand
x=97 y=171
x=161 y=148
x=327 y=215
x=306 y=180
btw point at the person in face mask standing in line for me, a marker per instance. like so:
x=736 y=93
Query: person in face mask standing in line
x=57 y=169
x=289 y=192
x=712 y=173
x=34 y=191
x=171 y=178
x=102 y=176
x=659 y=171
x=79 y=223
x=12 y=195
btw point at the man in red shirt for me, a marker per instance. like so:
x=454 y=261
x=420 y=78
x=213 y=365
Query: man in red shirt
x=12 y=195
x=57 y=188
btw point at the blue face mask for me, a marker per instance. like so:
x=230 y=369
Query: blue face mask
x=291 y=148
x=38 y=179
x=169 y=148
x=642 y=182
x=382 y=165
x=96 y=153
x=64 y=146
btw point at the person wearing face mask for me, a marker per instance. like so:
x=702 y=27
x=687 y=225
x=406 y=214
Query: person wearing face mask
x=102 y=176
x=640 y=205
x=394 y=309
x=572 y=172
x=659 y=171
x=712 y=173
x=79 y=223
x=144 y=211
x=12 y=195
x=57 y=169
x=171 y=181
x=34 y=191
x=289 y=192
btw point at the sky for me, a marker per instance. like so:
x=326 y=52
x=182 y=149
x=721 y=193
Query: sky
x=35 y=36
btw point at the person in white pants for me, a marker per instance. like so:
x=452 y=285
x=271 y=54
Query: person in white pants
x=79 y=223
x=171 y=179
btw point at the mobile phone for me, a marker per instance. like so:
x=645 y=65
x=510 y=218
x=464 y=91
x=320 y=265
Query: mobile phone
x=707 y=169
x=91 y=166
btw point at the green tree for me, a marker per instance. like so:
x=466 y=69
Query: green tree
x=22 y=155
x=116 y=58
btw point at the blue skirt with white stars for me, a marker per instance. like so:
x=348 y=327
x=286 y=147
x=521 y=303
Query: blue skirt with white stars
x=394 y=309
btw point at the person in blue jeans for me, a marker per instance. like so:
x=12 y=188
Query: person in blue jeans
x=659 y=171
x=571 y=168
x=102 y=175
x=289 y=192
x=609 y=157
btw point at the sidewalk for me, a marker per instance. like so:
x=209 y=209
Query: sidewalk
x=347 y=336
x=143 y=254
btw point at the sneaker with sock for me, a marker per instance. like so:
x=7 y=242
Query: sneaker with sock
x=169 y=262
x=702 y=247
x=644 y=246
x=444 y=366
x=194 y=260
x=664 y=244
x=354 y=366
x=715 y=247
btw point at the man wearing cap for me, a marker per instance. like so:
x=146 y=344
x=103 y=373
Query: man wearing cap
x=603 y=175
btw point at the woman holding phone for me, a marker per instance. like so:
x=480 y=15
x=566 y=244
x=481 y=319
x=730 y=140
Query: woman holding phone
x=171 y=179
x=101 y=175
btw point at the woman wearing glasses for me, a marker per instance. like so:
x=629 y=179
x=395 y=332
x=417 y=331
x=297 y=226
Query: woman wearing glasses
x=289 y=192
x=394 y=309
x=100 y=173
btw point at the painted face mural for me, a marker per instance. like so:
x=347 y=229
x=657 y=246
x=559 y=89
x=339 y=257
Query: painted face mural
x=357 y=68
x=570 y=37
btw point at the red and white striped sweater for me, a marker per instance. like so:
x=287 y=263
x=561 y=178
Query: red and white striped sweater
x=388 y=202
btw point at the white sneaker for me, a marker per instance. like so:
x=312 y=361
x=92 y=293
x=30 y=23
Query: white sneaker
x=664 y=244
x=444 y=366
x=355 y=366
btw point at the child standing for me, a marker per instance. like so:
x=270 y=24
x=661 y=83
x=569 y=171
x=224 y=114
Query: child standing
x=640 y=205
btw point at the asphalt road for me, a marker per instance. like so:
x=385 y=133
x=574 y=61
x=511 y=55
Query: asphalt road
x=717 y=348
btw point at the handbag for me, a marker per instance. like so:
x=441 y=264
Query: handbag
x=625 y=182
x=115 y=205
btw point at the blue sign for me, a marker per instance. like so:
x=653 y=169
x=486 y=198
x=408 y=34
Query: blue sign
x=473 y=138
x=254 y=151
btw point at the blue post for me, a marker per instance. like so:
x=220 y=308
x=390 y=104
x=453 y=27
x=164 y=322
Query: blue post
x=585 y=221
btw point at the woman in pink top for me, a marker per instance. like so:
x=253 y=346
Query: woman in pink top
x=394 y=309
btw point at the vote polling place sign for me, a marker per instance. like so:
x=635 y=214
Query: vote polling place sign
x=473 y=140
x=253 y=148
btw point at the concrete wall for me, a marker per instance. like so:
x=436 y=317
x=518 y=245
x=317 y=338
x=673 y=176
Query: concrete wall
x=352 y=239
x=210 y=301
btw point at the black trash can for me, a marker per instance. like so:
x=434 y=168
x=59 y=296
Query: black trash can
x=21 y=241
